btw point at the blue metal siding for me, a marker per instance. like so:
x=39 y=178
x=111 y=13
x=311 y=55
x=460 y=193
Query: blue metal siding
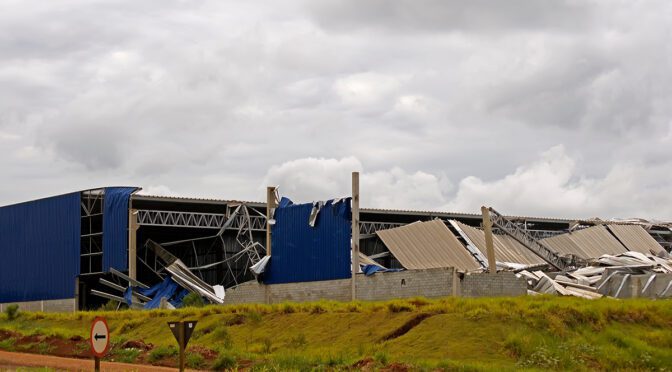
x=301 y=253
x=39 y=249
x=115 y=228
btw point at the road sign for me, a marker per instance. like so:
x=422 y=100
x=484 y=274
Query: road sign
x=100 y=337
x=182 y=332
x=188 y=325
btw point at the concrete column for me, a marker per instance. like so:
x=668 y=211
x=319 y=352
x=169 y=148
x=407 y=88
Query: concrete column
x=355 y=232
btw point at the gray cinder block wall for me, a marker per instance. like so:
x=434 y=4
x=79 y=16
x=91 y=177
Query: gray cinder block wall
x=47 y=306
x=428 y=283
x=634 y=285
x=486 y=285
x=411 y=283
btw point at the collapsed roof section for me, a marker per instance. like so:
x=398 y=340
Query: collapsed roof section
x=636 y=239
x=506 y=248
x=591 y=242
x=423 y=245
x=427 y=245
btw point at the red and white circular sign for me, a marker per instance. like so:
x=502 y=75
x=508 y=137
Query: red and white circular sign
x=100 y=337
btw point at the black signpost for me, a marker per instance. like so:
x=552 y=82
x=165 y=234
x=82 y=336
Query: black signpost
x=182 y=332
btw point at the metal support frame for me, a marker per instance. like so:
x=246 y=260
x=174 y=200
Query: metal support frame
x=197 y=220
x=369 y=228
x=91 y=238
x=271 y=204
x=527 y=240
x=236 y=258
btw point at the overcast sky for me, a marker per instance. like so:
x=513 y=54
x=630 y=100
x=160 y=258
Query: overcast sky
x=538 y=107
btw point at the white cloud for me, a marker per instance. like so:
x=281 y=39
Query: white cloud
x=318 y=178
x=366 y=88
x=157 y=190
x=548 y=186
x=551 y=186
x=313 y=178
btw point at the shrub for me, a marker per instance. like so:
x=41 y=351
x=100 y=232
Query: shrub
x=221 y=336
x=288 y=308
x=126 y=355
x=299 y=341
x=253 y=316
x=381 y=357
x=267 y=345
x=44 y=348
x=162 y=352
x=398 y=307
x=12 y=312
x=7 y=344
x=224 y=362
x=112 y=305
x=193 y=300
x=317 y=309
x=194 y=360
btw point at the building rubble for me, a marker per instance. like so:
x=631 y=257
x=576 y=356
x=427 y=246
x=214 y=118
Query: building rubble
x=630 y=274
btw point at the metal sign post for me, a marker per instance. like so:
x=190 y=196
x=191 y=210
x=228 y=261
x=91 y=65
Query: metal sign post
x=99 y=340
x=182 y=332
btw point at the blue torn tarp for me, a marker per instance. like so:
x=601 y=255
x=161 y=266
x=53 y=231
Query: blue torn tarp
x=115 y=227
x=167 y=288
x=369 y=270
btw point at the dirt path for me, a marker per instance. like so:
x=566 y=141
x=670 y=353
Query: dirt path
x=10 y=361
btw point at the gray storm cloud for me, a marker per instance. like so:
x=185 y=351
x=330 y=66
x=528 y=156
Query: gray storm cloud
x=540 y=107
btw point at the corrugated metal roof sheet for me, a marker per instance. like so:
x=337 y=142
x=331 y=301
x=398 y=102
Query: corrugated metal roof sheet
x=635 y=238
x=426 y=245
x=519 y=250
x=591 y=242
x=596 y=241
x=564 y=245
x=507 y=249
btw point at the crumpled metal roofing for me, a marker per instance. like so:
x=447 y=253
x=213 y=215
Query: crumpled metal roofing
x=506 y=248
x=564 y=245
x=636 y=238
x=426 y=245
x=591 y=242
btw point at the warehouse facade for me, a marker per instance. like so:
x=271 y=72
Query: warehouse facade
x=58 y=250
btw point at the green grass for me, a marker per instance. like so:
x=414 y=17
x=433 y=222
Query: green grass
x=162 y=352
x=7 y=344
x=126 y=355
x=451 y=334
x=194 y=360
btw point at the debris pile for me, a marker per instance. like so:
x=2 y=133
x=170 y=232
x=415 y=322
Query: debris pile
x=630 y=274
x=167 y=294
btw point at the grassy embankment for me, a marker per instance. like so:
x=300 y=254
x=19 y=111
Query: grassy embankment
x=452 y=334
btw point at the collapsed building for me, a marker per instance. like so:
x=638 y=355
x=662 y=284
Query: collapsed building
x=80 y=250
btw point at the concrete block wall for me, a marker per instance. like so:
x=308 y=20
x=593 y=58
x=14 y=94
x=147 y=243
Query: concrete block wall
x=253 y=292
x=338 y=290
x=635 y=284
x=246 y=293
x=382 y=286
x=410 y=283
x=488 y=285
x=47 y=306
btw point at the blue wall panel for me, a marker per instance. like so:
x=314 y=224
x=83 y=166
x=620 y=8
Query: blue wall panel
x=39 y=249
x=115 y=228
x=301 y=253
